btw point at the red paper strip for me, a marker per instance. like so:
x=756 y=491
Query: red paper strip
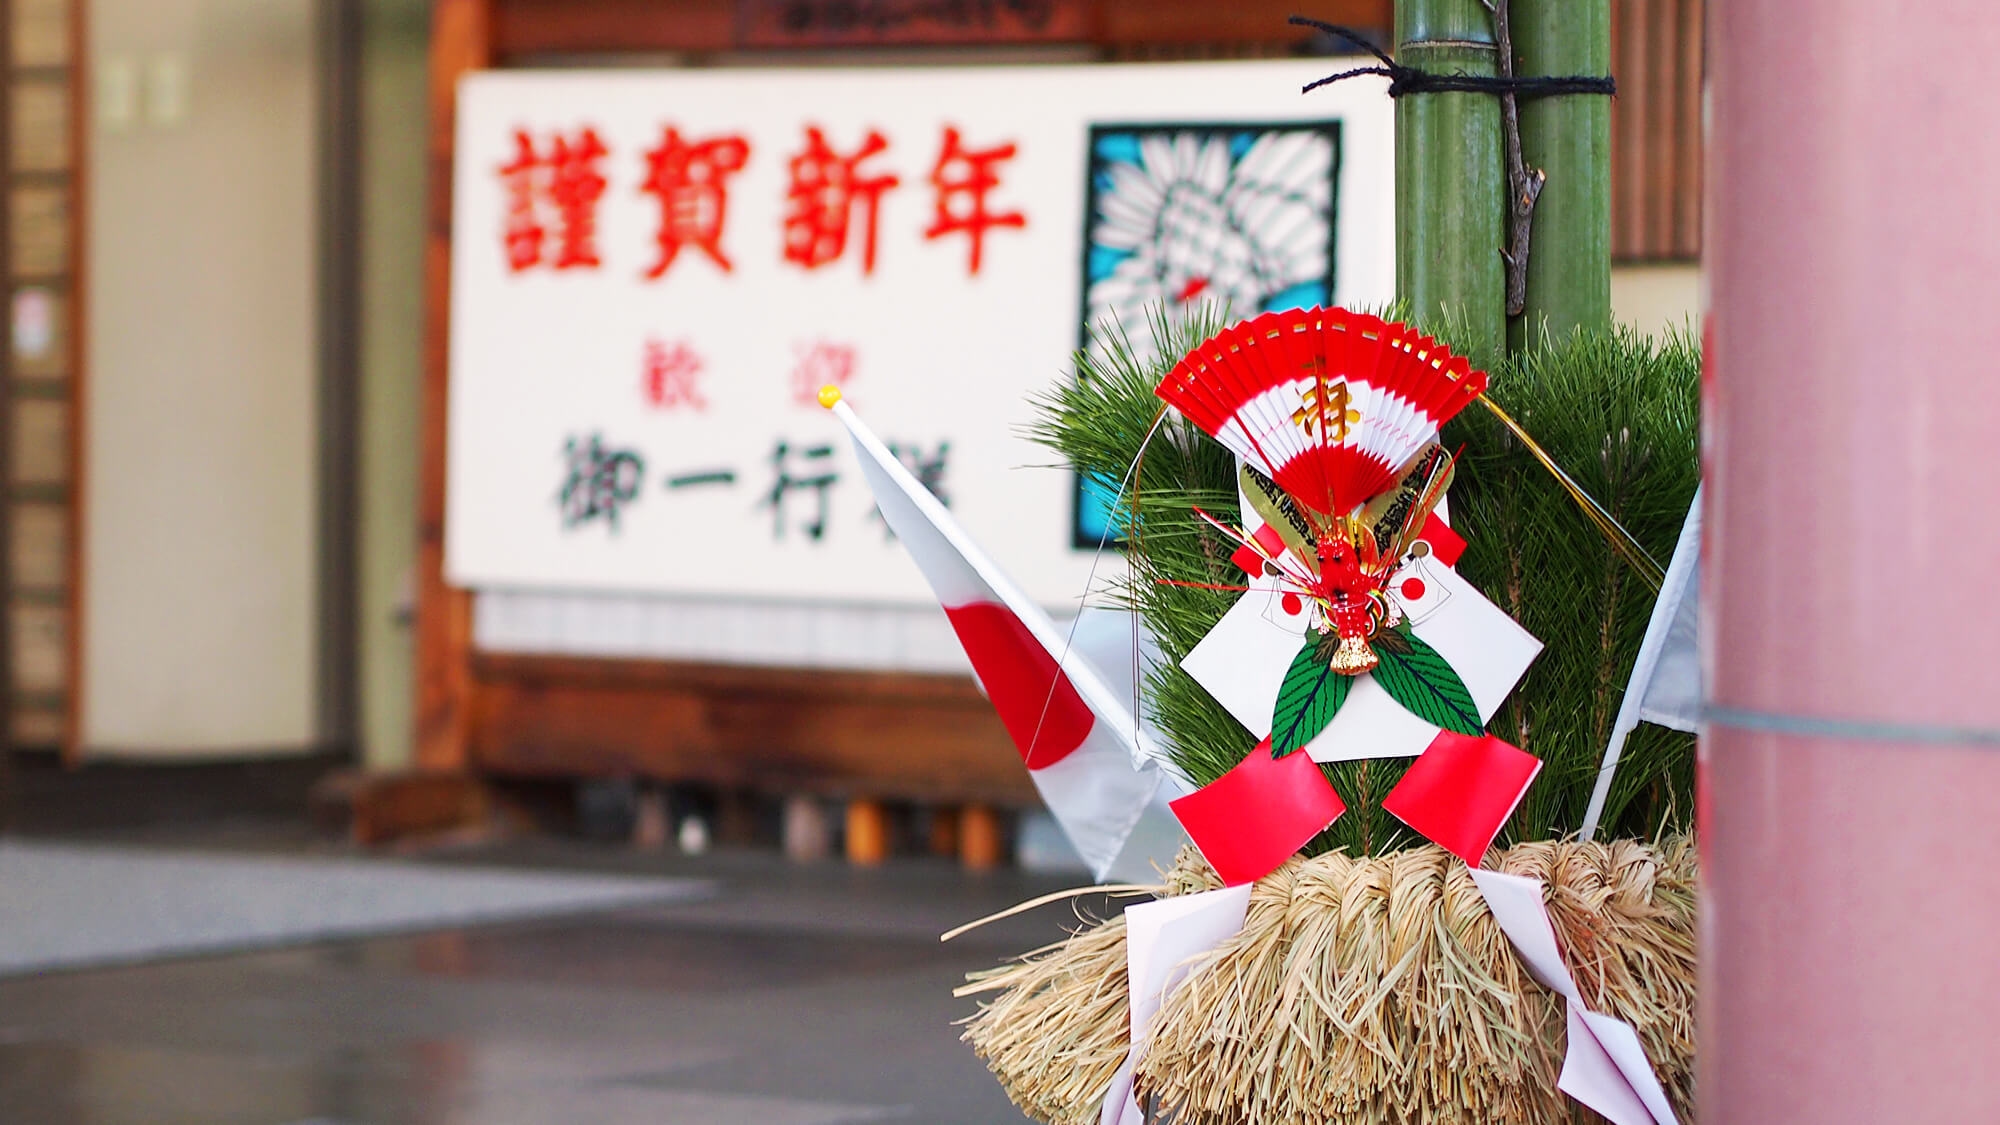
x=1251 y=819
x=1250 y=560
x=1445 y=544
x=1461 y=790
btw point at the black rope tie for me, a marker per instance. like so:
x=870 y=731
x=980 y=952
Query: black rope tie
x=1413 y=80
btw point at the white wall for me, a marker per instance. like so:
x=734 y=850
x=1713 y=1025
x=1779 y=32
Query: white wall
x=199 y=565
x=1654 y=298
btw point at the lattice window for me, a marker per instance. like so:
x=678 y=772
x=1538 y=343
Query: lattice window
x=40 y=132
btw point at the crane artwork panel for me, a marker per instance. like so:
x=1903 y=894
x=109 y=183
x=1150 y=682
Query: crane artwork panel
x=1238 y=215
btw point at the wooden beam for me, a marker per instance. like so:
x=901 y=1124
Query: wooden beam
x=878 y=23
x=1662 y=102
x=1686 y=187
x=530 y=27
x=897 y=688
x=461 y=38
x=834 y=733
x=382 y=808
x=1137 y=23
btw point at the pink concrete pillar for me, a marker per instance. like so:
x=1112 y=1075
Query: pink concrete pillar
x=1851 y=827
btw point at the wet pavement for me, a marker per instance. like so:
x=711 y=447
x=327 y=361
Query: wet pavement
x=798 y=995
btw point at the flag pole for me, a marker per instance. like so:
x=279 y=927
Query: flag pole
x=1674 y=588
x=1628 y=718
x=1095 y=692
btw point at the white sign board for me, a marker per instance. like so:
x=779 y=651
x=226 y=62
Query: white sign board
x=653 y=272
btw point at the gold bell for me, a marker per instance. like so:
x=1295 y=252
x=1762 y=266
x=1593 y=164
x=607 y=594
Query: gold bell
x=1354 y=657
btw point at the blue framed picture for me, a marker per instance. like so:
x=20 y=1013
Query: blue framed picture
x=1240 y=215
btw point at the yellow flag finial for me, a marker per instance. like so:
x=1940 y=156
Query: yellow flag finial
x=829 y=395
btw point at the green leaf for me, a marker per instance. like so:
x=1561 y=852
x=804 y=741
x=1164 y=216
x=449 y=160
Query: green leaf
x=1307 y=700
x=1427 y=686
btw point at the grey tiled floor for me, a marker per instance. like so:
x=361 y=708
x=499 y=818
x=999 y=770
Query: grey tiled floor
x=801 y=995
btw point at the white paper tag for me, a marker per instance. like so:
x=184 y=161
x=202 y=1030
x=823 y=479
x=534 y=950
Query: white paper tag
x=1419 y=591
x=1516 y=903
x=1164 y=936
x=1242 y=663
x=1163 y=940
x=1605 y=1066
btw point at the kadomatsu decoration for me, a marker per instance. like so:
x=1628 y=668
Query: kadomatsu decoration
x=1343 y=660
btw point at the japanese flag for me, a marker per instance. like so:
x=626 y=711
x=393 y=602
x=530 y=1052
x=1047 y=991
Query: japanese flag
x=1077 y=738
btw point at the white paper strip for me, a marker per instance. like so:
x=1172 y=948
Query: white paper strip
x=1163 y=941
x=1621 y=1043
x=1605 y=1066
x=1665 y=686
x=1516 y=903
x=1591 y=1075
x=1120 y=1107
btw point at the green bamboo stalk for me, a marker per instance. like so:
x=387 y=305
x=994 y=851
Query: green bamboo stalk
x=1568 y=138
x=1451 y=179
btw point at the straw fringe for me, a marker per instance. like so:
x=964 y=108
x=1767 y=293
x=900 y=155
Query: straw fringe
x=1374 y=991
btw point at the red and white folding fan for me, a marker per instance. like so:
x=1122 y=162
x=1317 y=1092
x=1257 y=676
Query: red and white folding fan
x=1327 y=403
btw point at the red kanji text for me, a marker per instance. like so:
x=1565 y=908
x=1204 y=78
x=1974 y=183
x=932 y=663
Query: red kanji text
x=552 y=195
x=962 y=177
x=826 y=187
x=671 y=374
x=821 y=363
x=691 y=180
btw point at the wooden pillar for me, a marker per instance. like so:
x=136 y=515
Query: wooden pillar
x=461 y=41
x=652 y=824
x=981 y=843
x=867 y=832
x=807 y=835
x=944 y=832
x=736 y=818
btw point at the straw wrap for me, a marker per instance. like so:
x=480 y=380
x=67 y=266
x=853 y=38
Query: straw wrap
x=1363 y=990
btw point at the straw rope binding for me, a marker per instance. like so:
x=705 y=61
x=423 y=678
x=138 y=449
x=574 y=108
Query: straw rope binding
x=1365 y=991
